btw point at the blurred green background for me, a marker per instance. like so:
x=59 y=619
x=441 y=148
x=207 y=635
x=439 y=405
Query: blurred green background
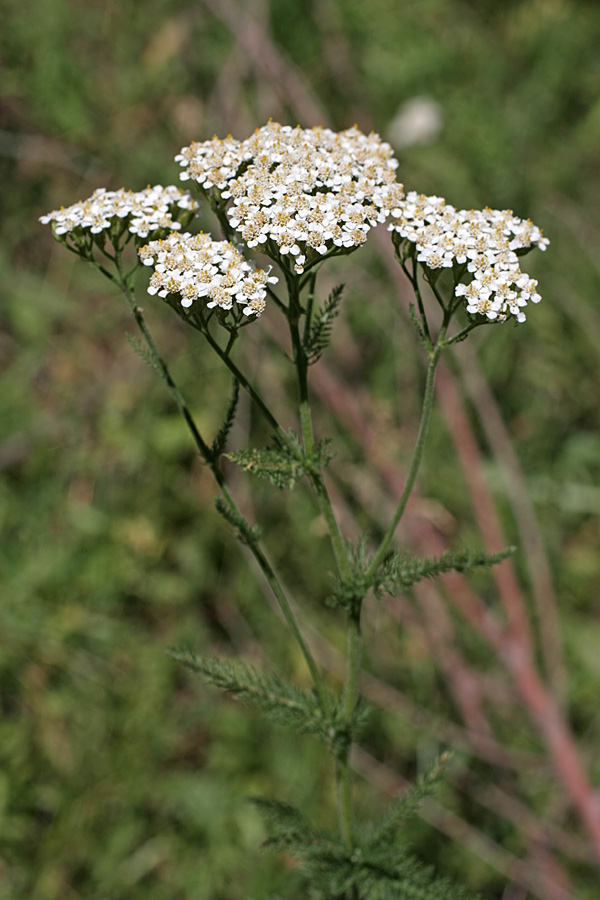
x=121 y=776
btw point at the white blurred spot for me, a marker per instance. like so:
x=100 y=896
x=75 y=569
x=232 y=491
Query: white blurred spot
x=417 y=121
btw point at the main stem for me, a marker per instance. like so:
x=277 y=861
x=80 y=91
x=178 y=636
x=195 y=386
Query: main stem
x=316 y=477
x=285 y=607
x=350 y=692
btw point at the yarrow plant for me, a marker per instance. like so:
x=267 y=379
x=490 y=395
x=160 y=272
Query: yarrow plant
x=299 y=197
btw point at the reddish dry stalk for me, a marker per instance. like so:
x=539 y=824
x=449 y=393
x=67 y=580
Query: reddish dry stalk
x=277 y=71
x=382 y=694
x=535 y=554
x=470 y=460
x=461 y=680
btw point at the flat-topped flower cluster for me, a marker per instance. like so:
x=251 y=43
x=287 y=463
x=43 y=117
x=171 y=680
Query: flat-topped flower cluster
x=302 y=192
x=299 y=195
x=488 y=243
x=195 y=266
x=141 y=212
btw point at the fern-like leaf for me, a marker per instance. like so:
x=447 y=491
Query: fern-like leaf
x=375 y=868
x=349 y=592
x=398 y=572
x=383 y=833
x=272 y=464
x=245 y=532
x=287 y=826
x=279 y=700
x=319 y=335
x=219 y=443
x=144 y=352
x=283 y=464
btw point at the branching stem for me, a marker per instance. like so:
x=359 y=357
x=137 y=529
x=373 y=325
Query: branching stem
x=212 y=462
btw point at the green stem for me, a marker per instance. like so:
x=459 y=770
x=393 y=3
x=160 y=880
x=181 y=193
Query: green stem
x=310 y=302
x=348 y=705
x=252 y=393
x=161 y=364
x=417 y=289
x=461 y=335
x=354 y=638
x=219 y=210
x=417 y=454
x=316 y=477
x=281 y=306
x=286 y=608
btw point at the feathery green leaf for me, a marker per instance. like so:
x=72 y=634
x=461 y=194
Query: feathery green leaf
x=219 y=443
x=288 y=826
x=275 y=465
x=399 y=571
x=281 y=701
x=143 y=351
x=371 y=873
x=283 y=464
x=245 y=532
x=415 y=320
x=383 y=833
x=319 y=335
x=349 y=592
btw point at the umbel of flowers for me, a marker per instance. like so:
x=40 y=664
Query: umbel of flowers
x=195 y=266
x=486 y=243
x=295 y=192
x=113 y=213
x=299 y=196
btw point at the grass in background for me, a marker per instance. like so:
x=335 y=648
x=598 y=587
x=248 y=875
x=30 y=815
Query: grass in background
x=119 y=776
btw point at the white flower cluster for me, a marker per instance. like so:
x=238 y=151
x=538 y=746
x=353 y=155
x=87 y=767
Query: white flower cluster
x=195 y=266
x=487 y=241
x=296 y=191
x=145 y=211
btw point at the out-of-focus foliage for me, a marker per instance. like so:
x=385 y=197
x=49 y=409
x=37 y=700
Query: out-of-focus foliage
x=120 y=776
